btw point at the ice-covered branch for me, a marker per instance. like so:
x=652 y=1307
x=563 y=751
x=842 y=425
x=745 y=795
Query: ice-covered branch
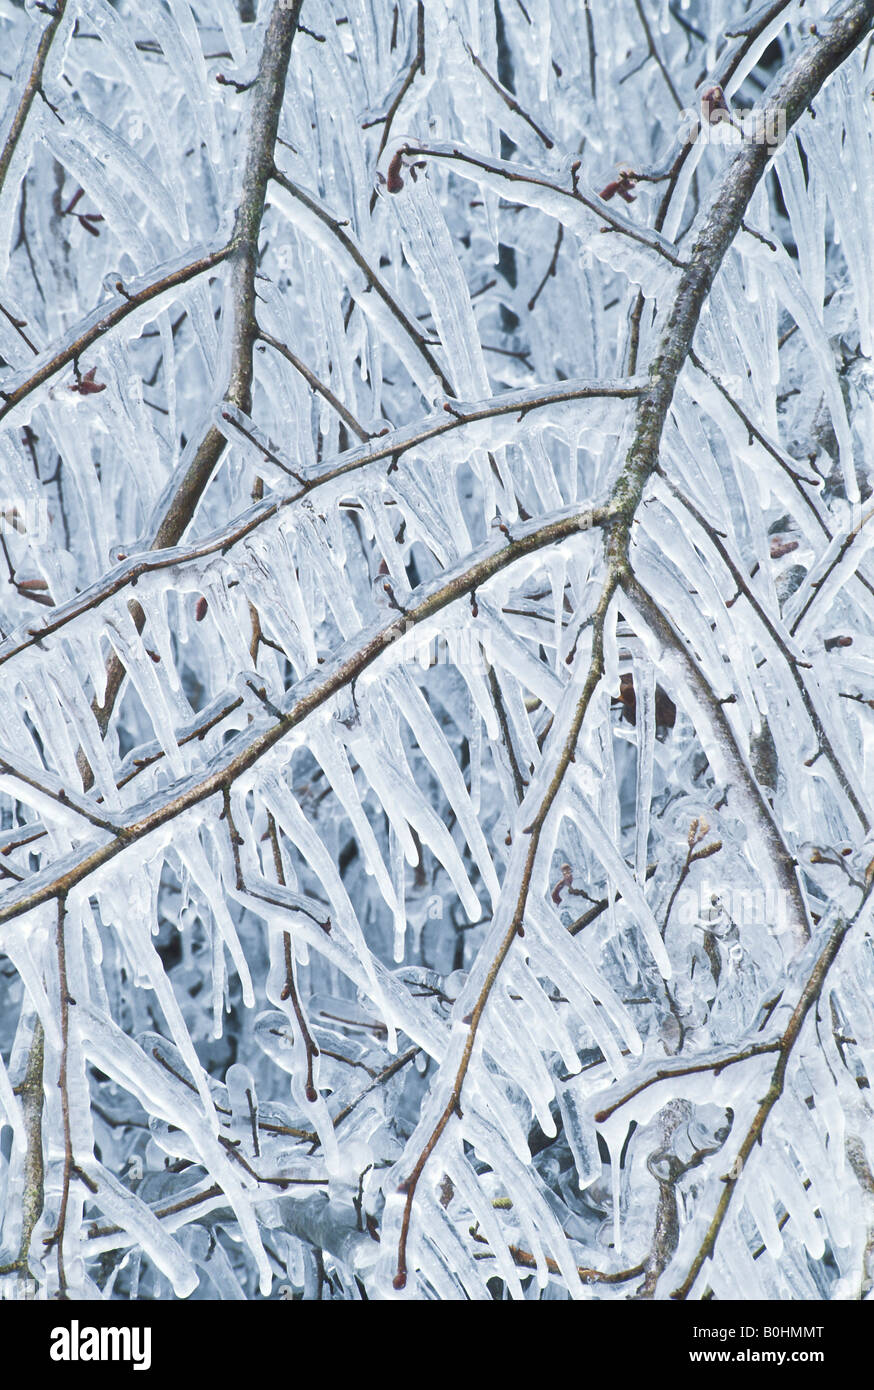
x=522 y=875
x=265 y=105
x=436 y=650
x=244 y=752
x=513 y=406
x=810 y=994
x=103 y=320
x=312 y=217
x=788 y=99
x=32 y=88
x=576 y=210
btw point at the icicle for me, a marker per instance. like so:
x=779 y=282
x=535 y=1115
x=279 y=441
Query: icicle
x=331 y=754
x=429 y=250
x=289 y=816
x=138 y=1222
x=579 y=1131
x=398 y=869
x=467 y=1190
x=405 y=807
x=433 y=744
x=116 y=1054
x=11 y=1107
x=645 y=692
x=578 y=809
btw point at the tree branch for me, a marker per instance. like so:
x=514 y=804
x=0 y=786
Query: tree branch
x=266 y=103
x=245 y=750
x=32 y=87
x=753 y=1136
x=390 y=447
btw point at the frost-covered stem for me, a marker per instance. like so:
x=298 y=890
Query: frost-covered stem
x=752 y=27
x=497 y=699
x=809 y=995
x=692 y=857
x=510 y=101
x=390 y=447
x=289 y=989
x=184 y=1204
x=235 y=838
x=856 y=1157
x=666 y=1232
x=417 y=66
x=214 y=1191
x=199 y=732
x=385 y=1075
x=82 y=340
x=19 y=325
x=789 y=99
x=656 y=56
x=786 y=464
x=24 y=587
x=251 y=746
x=534 y=830
x=32 y=86
x=61 y=797
x=550 y=269
x=760 y=438
x=723 y=72
x=266 y=104
x=849 y=540
x=463 y=159
x=594 y=912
